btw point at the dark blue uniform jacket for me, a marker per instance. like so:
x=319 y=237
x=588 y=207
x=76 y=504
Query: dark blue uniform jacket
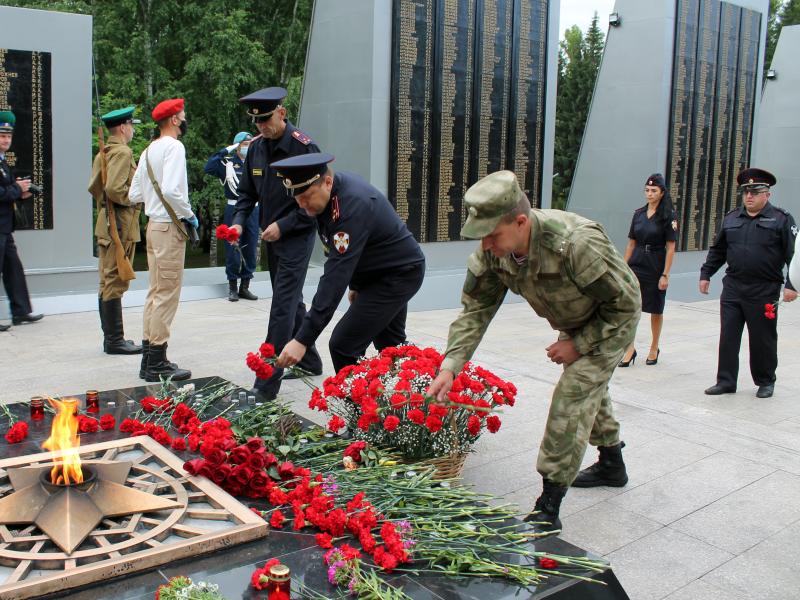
x=363 y=239
x=259 y=183
x=756 y=250
x=9 y=193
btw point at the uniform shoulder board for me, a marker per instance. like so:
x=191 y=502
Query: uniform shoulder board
x=783 y=210
x=257 y=137
x=301 y=137
x=730 y=212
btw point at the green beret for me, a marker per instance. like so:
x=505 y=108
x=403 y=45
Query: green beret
x=488 y=201
x=7 y=121
x=119 y=116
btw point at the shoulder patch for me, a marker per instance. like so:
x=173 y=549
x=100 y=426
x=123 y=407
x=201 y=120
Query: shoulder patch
x=301 y=137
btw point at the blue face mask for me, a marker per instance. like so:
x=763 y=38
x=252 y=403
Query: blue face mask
x=243 y=150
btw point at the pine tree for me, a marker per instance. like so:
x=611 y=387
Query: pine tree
x=578 y=61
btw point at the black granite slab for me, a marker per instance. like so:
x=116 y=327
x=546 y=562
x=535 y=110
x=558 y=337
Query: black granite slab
x=231 y=568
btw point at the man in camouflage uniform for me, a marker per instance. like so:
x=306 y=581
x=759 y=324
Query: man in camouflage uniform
x=120 y=168
x=570 y=274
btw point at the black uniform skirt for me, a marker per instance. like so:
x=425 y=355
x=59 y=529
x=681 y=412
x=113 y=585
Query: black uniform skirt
x=648 y=267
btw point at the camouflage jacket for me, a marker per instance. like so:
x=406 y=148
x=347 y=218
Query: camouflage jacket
x=574 y=278
x=119 y=173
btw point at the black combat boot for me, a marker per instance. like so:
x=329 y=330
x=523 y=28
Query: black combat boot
x=544 y=515
x=4 y=327
x=114 y=341
x=159 y=367
x=244 y=291
x=608 y=470
x=145 y=358
x=233 y=293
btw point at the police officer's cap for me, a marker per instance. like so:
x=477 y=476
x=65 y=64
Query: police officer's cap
x=119 y=116
x=300 y=172
x=262 y=104
x=7 y=121
x=488 y=201
x=656 y=180
x=754 y=179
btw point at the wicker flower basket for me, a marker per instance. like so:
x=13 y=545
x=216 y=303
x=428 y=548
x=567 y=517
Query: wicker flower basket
x=447 y=467
x=450 y=466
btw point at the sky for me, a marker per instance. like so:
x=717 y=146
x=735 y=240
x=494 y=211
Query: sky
x=580 y=12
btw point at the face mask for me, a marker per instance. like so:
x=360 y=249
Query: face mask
x=243 y=151
x=183 y=127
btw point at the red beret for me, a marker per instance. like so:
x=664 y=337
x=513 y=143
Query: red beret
x=167 y=108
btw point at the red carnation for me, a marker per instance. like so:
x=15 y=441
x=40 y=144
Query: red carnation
x=416 y=416
x=17 y=432
x=178 y=444
x=266 y=350
x=433 y=423
x=354 y=450
x=390 y=423
x=277 y=519
x=493 y=423
x=548 y=563
x=107 y=422
x=473 y=425
x=324 y=540
x=87 y=424
x=335 y=424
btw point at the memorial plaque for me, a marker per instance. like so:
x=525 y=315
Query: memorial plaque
x=25 y=90
x=467 y=99
x=714 y=81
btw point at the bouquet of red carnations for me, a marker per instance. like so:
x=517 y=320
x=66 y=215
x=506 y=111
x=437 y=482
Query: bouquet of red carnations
x=382 y=400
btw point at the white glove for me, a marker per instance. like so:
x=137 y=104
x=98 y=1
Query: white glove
x=231 y=148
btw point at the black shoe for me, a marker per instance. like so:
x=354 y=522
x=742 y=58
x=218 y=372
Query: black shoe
x=114 y=341
x=4 y=327
x=29 y=318
x=233 y=293
x=629 y=362
x=765 y=391
x=244 y=291
x=544 y=516
x=653 y=361
x=158 y=367
x=716 y=390
x=608 y=470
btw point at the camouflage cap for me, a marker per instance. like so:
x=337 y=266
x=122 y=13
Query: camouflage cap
x=488 y=200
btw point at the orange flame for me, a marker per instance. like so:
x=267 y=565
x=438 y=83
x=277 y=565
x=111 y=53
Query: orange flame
x=64 y=438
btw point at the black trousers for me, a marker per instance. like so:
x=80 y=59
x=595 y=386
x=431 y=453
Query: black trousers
x=13 y=276
x=377 y=316
x=735 y=313
x=287 y=273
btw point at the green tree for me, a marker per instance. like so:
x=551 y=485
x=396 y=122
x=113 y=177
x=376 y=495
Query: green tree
x=578 y=63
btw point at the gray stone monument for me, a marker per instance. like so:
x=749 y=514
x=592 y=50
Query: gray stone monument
x=677 y=93
x=423 y=97
x=778 y=128
x=58 y=243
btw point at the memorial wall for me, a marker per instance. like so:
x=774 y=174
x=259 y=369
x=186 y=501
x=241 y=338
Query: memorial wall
x=25 y=89
x=715 y=73
x=467 y=98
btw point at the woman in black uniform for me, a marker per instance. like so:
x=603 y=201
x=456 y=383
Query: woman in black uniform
x=650 y=250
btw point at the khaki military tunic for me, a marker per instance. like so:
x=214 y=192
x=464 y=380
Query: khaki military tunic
x=576 y=279
x=120 y=168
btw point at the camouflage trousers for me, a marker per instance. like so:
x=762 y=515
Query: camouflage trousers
x=580 y=413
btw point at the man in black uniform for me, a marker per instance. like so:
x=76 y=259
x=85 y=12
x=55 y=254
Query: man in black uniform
x=756 y=241
x=287 y=230
x=368 y=248
x=12 y=190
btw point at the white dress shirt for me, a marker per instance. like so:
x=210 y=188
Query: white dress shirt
x=167 y=158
